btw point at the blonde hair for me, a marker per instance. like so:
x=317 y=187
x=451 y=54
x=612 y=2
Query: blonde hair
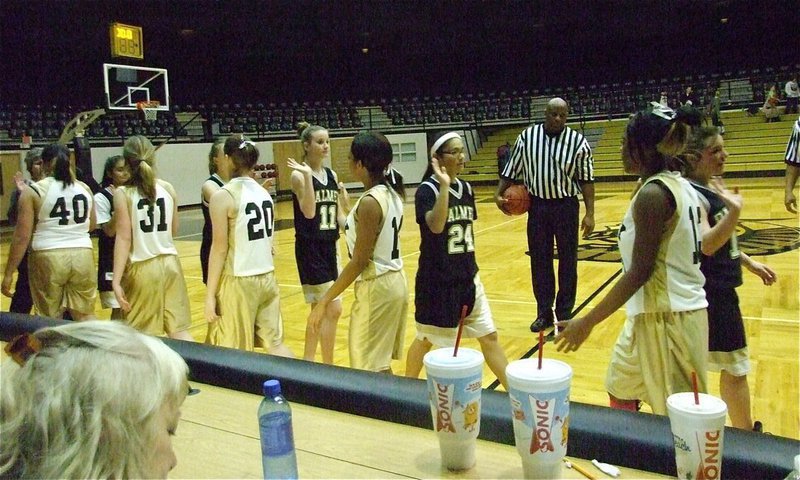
x=140 y=155
x=698 y=142
x=305 y=130
x=87 y=404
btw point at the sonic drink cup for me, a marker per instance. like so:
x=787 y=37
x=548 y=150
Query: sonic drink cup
x=540 y=413
x=454 y=391
x=697 y=431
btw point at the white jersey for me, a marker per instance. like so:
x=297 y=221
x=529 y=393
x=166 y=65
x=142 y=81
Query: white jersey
x=676 y=284
x=102 y=207
x=64 y=216
x=250 y=232
x=151 y=224
x=386 y=256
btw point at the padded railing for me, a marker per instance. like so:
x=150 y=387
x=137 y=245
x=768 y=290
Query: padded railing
x=634 y=440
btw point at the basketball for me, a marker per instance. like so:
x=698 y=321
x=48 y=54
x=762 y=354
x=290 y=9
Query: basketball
x=517 y=200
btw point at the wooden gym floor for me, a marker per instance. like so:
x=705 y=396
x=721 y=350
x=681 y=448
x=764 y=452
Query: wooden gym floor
x=766 y=232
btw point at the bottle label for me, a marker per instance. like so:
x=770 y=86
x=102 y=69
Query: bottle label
x=276 y=434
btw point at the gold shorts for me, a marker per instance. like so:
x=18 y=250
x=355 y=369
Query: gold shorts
x=378 y=321
x=63 y=278
x=250 y=313
x=655 y=356
x=156 y=290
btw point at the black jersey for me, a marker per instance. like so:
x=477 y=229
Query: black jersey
x=324 y=225
x=723 y=268
x=205 y=243
x=105 y=250
x=448 y=256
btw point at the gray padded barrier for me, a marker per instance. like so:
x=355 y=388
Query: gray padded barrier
x=634 y=440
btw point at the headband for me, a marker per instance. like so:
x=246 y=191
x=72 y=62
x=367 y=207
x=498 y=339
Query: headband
x=442 y=140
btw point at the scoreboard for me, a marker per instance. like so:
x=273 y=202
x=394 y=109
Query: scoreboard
x=126 y=41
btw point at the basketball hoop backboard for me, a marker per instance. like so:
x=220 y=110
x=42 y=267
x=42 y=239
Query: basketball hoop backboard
x=125 y=85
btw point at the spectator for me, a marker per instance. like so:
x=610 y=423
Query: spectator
x=792 y=95
x=770 y=107
x=93 y=399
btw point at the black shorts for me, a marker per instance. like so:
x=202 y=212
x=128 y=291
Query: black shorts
x=439 y=303
x=725 y=324
x=316 y=260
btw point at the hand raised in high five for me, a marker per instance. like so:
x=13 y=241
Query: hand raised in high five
x=440 y=172
x=733 y=200
x=299 y=167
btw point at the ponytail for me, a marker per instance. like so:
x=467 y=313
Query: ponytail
x=55 y=158
x=147 y=177
x=139 y=154
x=392 y=181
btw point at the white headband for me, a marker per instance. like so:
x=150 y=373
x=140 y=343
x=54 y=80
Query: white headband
x=442 y=140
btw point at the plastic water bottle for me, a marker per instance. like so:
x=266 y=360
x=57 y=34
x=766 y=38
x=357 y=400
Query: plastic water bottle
x=794 y=474
x=277 y=440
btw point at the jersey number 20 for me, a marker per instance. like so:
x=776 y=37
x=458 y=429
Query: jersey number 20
x=260 y=220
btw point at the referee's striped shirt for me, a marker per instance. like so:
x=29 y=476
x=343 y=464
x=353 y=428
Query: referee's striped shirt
x=551 y=167
x=792 y=156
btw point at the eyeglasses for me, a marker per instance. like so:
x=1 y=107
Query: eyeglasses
x=245 y=143
x=454 y=153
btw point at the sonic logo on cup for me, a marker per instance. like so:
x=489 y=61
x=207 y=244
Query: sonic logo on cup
x=444 y=407
x=709 y=466
x=541 y=440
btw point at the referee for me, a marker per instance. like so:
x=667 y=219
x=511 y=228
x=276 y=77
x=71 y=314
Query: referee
x=792 y=159
x=555 y=164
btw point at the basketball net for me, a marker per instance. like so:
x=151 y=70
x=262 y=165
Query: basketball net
x=149 y=109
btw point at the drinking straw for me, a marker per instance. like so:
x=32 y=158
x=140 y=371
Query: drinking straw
x=694 y=388
x=541 y=347
x=460 y=328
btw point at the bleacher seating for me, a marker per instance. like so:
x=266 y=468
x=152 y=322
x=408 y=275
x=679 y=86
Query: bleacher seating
x=608 y=100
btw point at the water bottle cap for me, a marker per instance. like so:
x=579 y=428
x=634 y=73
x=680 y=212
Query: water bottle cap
x=272 y=388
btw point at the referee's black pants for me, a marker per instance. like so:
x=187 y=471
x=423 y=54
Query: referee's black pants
x=548 y=220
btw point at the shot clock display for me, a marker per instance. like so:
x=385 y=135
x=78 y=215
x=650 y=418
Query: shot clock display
x=126 y=41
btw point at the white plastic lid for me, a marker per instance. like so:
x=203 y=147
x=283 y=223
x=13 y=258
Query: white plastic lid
x=709 y=405
x=528 y=370
x=443 y=358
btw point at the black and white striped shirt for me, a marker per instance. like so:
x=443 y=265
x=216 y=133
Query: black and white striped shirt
x=792 y=156
x=551 y=167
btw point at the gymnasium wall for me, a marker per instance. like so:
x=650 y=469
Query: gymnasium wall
x=185 y=165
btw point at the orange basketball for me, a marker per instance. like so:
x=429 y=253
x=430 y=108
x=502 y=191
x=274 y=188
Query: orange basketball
x=517 y=200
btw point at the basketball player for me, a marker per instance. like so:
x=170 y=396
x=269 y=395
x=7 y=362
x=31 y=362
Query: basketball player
x=318 y=213
x=58 y=212
x=22 y=302
x=447 y=277
x=147 y=278
x=721 y=263
x=378 y=317
x=242 y=299
x=218 y=169
x=115 y=174
x=665 y=336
